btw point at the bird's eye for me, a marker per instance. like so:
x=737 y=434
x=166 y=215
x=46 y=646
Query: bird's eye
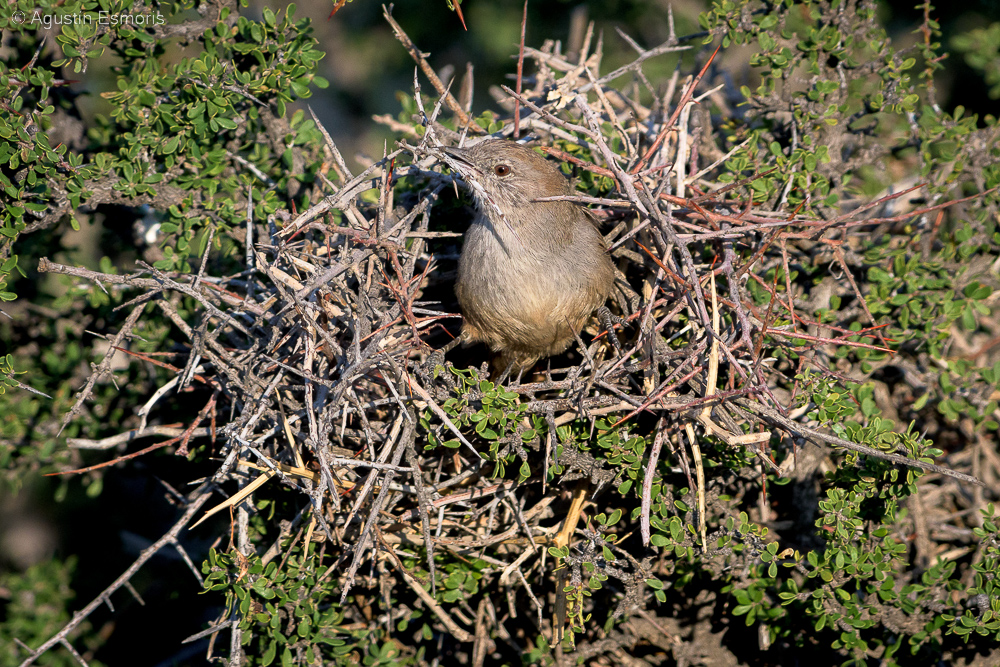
x=501 y=170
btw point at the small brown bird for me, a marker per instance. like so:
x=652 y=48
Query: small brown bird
x=531 y=273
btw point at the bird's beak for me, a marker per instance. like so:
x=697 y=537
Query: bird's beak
x=457 y=159
x=460 y=154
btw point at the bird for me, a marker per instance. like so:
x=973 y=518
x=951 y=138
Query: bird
x=531 y=273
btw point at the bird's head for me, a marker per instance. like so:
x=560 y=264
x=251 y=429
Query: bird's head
x=505 y=177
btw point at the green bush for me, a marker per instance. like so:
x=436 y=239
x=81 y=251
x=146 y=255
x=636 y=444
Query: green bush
x=418 y=509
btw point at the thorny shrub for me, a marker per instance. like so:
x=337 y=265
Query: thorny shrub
x=420 y=511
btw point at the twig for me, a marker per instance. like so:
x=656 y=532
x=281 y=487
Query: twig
x=818 y=436
x=418 y=57
x=520 y=70
x=453 y=627
x=196 y=499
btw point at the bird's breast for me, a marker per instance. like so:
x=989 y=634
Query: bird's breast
x=532 y=288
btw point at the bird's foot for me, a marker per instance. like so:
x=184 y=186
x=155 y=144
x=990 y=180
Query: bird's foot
x=608 y=321
x=436 y=358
